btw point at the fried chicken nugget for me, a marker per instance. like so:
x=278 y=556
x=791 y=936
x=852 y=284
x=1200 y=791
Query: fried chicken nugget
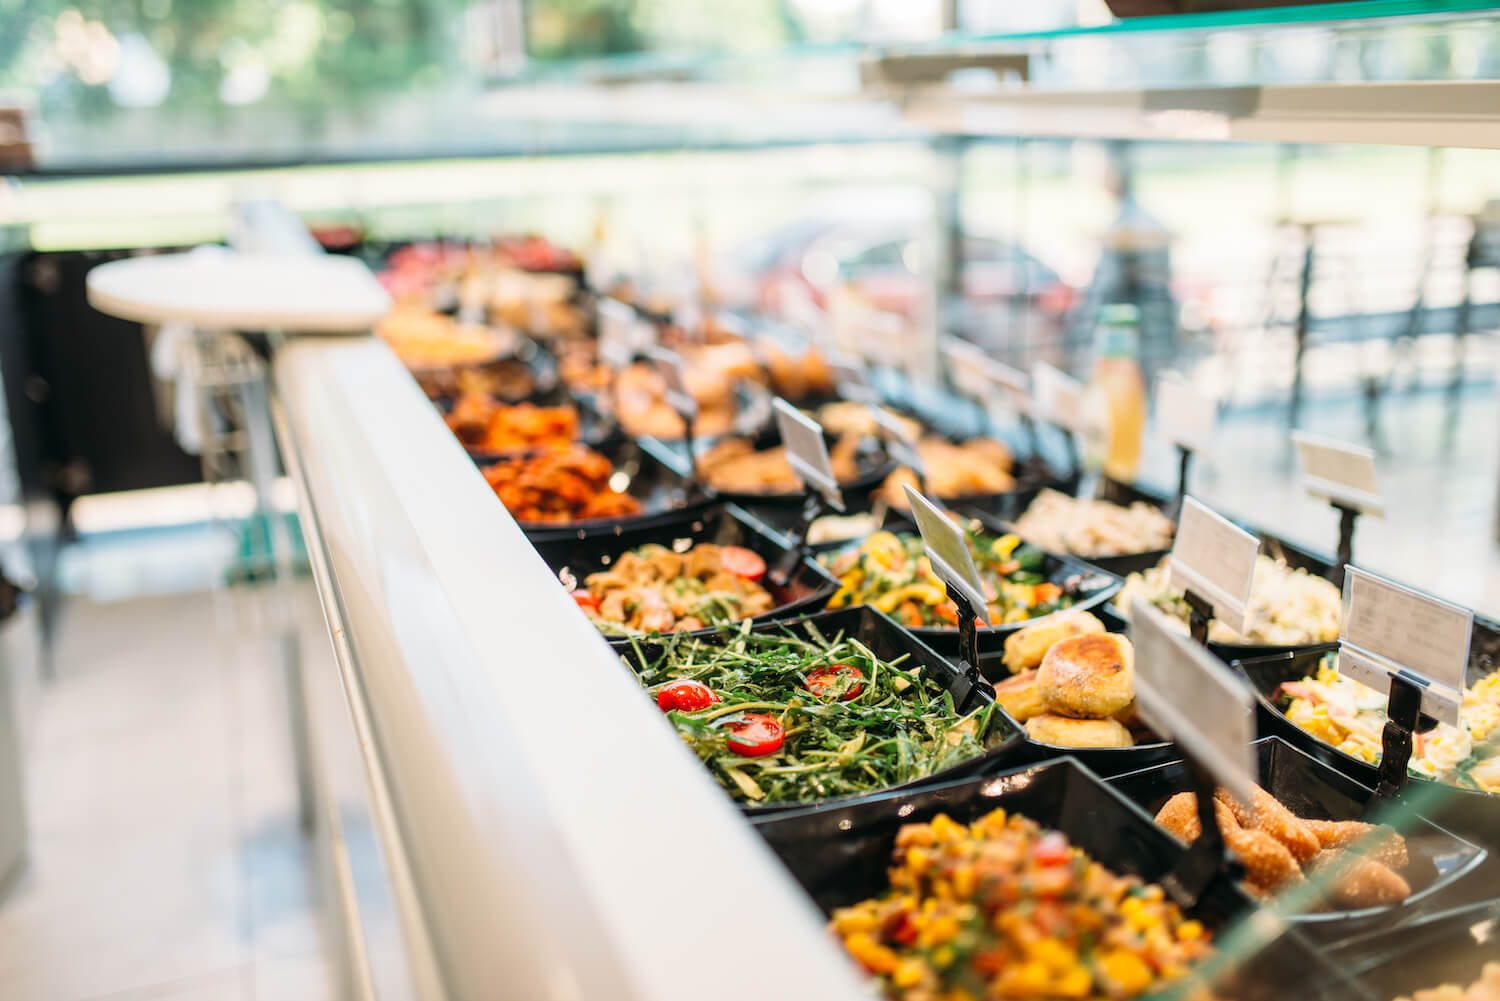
x=1276 y=820
x=1388 y=848
x=1268 y=863
x=1366 y=883
x=1179 y=816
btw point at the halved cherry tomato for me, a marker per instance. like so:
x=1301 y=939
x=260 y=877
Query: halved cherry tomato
x=1051 y=849
x=1047 y=592
x=824 y=682
x=586 y=600
x=742 y=562
x=756 y=735
x=685 y=696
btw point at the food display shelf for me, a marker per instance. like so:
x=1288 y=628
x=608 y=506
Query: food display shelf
x=518 y=783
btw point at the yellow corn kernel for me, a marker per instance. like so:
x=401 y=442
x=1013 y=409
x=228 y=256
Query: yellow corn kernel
x=873 y=956
x=1076 y=983
x=847 y=922
x=1190 y=931
x=1028 y=979
x=908 y=973
x=944 y=829
x=1126 y=970
x=965 y=882
x=942 y=929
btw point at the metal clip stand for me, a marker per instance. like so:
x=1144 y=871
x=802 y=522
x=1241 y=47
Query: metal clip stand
x=1184 y=466
x=814 y=506
x=1206 y=857
x=1404 y=718
x=1200 y=611
x=968 y=652
x=1346 y=544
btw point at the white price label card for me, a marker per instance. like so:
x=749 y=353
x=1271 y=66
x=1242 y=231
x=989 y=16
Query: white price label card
x=1215 y=558
x=1057 y=397
x=1185 y=416
x=807 y=452
x=678 y=397
x=1188 y=695
x=966 y=368
x=948 y=551
x=616 y=333
x=1339 y=472
x=898 y=444
x=851 y=378
x=1388 y=628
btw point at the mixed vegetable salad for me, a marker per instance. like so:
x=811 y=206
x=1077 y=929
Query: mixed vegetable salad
x=1003 y=909
x=779 y=718
x=654 y=589
x=1351 y=716
x=891 y=572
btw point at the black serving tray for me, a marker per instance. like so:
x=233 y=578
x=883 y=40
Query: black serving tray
x=871 y=467
x=1314 y=790
x=806 y=588
x=1105 y=761
x=1449 y=947
x=887 y=640
x=840 y=854
x=1470 y=813
x=664 y=496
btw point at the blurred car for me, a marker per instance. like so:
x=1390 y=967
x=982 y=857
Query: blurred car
x=799 y=264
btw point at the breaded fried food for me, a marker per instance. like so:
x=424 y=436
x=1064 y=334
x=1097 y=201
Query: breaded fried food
x=1276 y=820
x=1386 y=847
x=1088 y=676
x=1064 y=731
x=1268 y=863
x=1179 y=816
x=1025 y=648
x=1365 y=883
x=1020 y=697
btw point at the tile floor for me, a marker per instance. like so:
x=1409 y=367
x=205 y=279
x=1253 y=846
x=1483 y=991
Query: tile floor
x=166 y=862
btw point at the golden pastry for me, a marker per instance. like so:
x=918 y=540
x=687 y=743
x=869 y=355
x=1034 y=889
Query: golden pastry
x=1088 y=676
x=1020 y=697
x=1064 y=731
x=1025 y=648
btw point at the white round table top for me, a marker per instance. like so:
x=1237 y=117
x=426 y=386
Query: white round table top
x=215 y=288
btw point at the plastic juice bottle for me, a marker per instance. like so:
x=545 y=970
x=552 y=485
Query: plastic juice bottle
x=1117 y=392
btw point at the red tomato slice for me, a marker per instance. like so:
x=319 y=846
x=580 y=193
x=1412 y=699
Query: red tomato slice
x=1051 y=849
x=825 y=681
x=586 y=600
x=685 y=696
x=742 y=562
x=756 y=735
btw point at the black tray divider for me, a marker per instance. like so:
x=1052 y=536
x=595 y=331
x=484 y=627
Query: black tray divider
x=1208 y=855
x=973 y=681
x=1403 y=719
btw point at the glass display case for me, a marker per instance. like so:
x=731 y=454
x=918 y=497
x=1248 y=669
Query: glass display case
x=1292 y=209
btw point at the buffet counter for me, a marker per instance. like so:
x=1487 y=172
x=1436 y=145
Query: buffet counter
x=509 y=836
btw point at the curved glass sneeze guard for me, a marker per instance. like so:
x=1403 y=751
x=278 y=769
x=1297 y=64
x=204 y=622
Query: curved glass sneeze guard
x=108 y=89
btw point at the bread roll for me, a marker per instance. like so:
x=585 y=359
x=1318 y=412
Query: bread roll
x=1090 y=676
x=1025 y=648
x=1063 y=731
x=1020 y=697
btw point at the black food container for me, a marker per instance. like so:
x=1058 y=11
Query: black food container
x=1105 y=761
x=840 y=854
x=1472 y=813
x=1314 y=791
x=663 y=494
x=1448 y=947
x=798 y=585
x=888 y=641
